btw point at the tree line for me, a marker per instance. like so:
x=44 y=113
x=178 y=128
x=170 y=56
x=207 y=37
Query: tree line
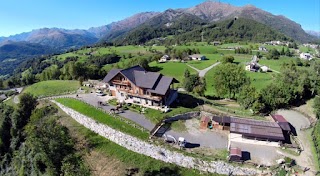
x=33 y=143
x=291 y=87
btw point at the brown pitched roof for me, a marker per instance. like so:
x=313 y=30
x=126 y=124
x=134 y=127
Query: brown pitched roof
x=257 y=131
x=152 y=81
x=252 y=128
x=282 y=122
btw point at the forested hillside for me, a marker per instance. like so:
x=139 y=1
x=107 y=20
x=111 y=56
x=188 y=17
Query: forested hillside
x=170 y=22
x=190 y=29
x=14 y=53
x=33 y=143
x=233 y=30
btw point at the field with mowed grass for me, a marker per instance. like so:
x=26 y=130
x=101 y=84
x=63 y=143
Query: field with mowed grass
x=173 y=69
x=102 y=117
x=211 y=59
x=51 y=88
x=261 y=80
x=276 y=64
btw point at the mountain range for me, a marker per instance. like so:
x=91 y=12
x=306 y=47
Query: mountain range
x=314 y=33
x=142 y=27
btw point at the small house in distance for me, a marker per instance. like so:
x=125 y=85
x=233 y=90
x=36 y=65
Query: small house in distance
x=252 y=67
x=263 y=48
x=305 y=56
x=197 y=57
x=216 y=43
x=164 y=58
x=264 y=69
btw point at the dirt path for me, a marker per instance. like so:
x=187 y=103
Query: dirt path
x=203 y=72
x=299 y=121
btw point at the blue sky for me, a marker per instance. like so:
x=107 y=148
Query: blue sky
x=18 y=16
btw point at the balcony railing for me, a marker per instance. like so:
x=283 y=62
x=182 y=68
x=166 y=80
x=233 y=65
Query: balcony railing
x=156 y=98
x=121 y=82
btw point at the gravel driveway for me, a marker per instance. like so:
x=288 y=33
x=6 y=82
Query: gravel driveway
x=203 y=72
x=298 y=121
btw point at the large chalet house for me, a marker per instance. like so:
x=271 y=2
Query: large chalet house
x=137 y=85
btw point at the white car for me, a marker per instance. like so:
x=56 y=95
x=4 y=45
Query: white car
x=99 y=93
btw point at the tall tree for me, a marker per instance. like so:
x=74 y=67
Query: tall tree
x=227 y=59
x=247 y=96
x=229 y=79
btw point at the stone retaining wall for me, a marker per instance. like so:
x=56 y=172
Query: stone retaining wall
x=156 y=152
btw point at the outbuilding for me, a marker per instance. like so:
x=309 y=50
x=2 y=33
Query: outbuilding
x=282 y=122
x=197 y=57
x=235 y=154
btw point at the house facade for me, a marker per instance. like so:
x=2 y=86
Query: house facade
x=139 y=86
x=197 y=57
x=305 y=56
x=164 y=58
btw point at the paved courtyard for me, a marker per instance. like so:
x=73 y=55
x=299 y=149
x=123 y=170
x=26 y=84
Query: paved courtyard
x=265 y=155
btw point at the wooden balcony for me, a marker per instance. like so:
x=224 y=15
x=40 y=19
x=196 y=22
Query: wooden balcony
x=149 y=97
x=118 y=82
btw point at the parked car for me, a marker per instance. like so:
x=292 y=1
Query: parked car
x=99 y=93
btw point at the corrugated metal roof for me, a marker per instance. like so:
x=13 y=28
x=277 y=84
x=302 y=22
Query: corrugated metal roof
x=282 y=122
x=278 y=118
x=257 y=131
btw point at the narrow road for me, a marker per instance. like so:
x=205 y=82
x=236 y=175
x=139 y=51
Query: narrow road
x=298 y=121
x=203 y=72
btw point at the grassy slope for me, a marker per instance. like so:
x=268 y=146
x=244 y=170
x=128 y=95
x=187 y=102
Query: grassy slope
x=102 y=117
x=53 y=87
x=276 y=64
x=174 y=69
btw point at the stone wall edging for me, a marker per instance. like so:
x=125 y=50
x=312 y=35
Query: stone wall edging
x=156 y=152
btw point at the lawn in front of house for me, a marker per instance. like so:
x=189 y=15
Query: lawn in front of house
x=261 y=80
x=102 y=117
x=211 y=59
x=277 y=64
x=52 y=87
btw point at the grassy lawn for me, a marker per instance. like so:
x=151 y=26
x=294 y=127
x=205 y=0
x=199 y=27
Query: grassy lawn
x=102 y=117
x=210 y=83
x=260 y=80
x=276 y=64
x=127 y=158
x=53 y=87
x=212 y=58
x=173 y=69
x=10 y=102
